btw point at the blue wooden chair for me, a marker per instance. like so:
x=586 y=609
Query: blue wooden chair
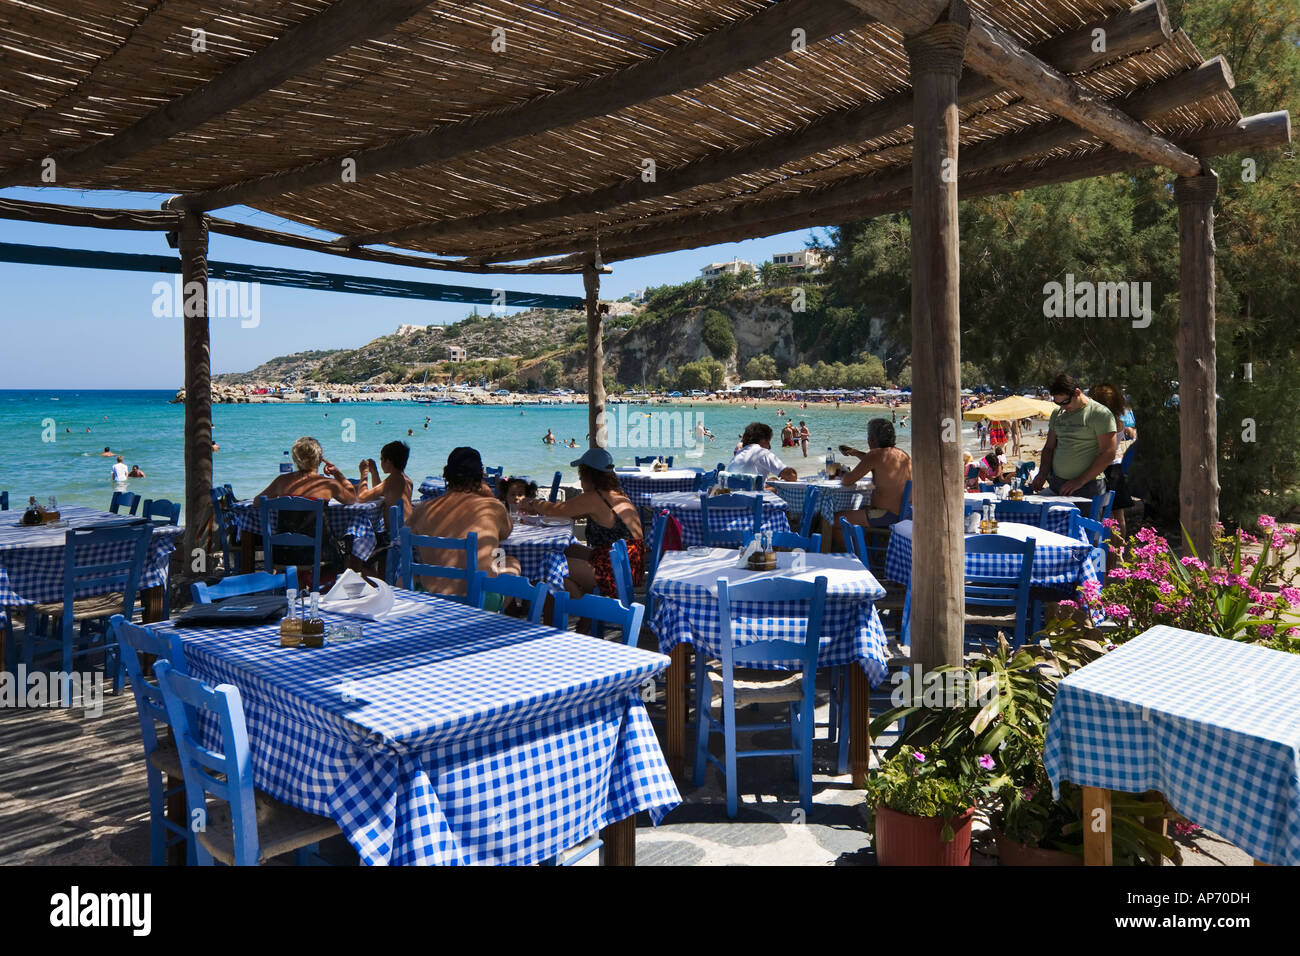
x=245 y=827
x=227 y=534
x=1100 y=509
x=468 y=546
x=160 y=757
x=1007 y=591
x=492 y=476
x=255 y=582
x=743 y=482
x=1126 y=462
x=1086 y=529
x=4 y=501
x=1022 y=512
x=124 y=499
x=722 y=506
x=555 y=488
x=103 y=563
x=394 y=521
x=905 y=506
x=162 y=511
x=797 y=690
x=272 y=508
x=622 y=568
x=986 y=486
x=533 y=596
x=705 y=480
x=600 y=610
x=651 y=459
x=812 y=497
x=789 y=541
x=655 y=546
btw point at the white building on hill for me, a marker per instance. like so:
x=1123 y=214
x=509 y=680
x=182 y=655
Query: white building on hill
x=735 y=267
x=805 y=260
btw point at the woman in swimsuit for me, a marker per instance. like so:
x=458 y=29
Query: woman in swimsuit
x=610 y=517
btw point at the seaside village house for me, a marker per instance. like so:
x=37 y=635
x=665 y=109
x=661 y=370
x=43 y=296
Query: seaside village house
x=714 y=269
x=811 y=261
x=757 y=387
x=455 y=353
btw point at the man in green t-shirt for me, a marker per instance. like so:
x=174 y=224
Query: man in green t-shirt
x=1080 y=442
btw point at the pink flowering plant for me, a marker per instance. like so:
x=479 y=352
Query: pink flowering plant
x=1239 y=593
x=926 y=783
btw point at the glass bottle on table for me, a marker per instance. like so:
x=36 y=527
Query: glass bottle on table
x=290 y=624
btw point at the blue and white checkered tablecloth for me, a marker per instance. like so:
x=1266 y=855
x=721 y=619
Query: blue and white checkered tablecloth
x=685 y=507
x=540 y=551
x=834 y=497
x=1059 y=562
x=640 y=486
x=32 y=557
x=1211 y=723
x=432 y=487
x=685 y=595
x=1058 y=514
x=448 y=735
x=359 y=520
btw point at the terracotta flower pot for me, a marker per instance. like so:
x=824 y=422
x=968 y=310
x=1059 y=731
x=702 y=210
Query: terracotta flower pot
x=1011 y=853
x=905 y=840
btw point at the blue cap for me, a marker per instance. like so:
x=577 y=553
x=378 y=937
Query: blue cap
x=596 y=458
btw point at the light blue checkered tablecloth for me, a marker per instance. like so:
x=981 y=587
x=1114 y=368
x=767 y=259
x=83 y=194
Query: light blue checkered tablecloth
x=540 y=551
x=1058 y=515
x=32 y=557
x=641 y=486
x=1211 y=723
x=686 y=607
x=450 y=735
x=359 y=520
x=834 y=497
x=685 y=507
x=432 y=487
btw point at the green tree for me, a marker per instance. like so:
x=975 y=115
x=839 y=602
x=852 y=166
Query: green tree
x=761 y=367
x=801 y=376
x=717 y=334
x=551 y=371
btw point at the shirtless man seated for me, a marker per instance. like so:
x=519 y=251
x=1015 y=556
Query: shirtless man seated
x=890 y=469
x=468 y=505
x=306 y=482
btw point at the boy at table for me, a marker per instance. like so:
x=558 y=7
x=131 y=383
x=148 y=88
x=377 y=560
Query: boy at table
x=890 y=468
x=395 y=488
x=468 y=505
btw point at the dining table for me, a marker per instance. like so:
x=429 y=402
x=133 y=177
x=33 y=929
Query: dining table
x=1059 y=509
x=833 y=496
x=685 y=507
x=1209 y=724
x=445 y=734
x=32 y=557
x=684 y=596
x=432 y=487
x=642 y=482
x=361 y=520
x=540 y=545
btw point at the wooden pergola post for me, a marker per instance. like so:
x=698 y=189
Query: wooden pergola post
x=595 y=357
x=193 y=246
x=935 y=62
x=1198 y=486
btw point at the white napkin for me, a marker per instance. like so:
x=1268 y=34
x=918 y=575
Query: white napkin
x=748 y=550
x=373 y=603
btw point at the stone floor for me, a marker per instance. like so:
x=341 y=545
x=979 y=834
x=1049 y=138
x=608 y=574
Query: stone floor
x=72 y=791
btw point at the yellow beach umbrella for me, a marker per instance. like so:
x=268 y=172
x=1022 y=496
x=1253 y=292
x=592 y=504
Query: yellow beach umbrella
x=1011 y=409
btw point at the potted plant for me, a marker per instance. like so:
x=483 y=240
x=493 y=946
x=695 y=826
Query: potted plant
x=924 y=805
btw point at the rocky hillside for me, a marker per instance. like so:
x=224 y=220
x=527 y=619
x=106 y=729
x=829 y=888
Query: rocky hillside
x=642 y=345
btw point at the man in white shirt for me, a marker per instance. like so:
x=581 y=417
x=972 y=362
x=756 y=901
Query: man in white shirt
x=755 y=457
x=120 y=470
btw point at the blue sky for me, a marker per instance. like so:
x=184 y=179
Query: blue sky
x=91 y=328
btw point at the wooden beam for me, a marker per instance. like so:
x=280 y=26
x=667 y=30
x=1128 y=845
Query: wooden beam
x=1198 y=486
x=734 y=47
x=1260 y=132
x=193 y=242
x=342 y=24
x=1142 y=27
x=24 y=210
x=938 y=603
x=1151 y=102
x=595 y=357
x=563 y=264
x=999 y=57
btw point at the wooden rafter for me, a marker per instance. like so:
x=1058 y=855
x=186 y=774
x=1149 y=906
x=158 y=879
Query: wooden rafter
x=1140 y=28
x=733 y=48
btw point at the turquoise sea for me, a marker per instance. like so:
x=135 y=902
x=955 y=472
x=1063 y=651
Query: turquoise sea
x=50 y=441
